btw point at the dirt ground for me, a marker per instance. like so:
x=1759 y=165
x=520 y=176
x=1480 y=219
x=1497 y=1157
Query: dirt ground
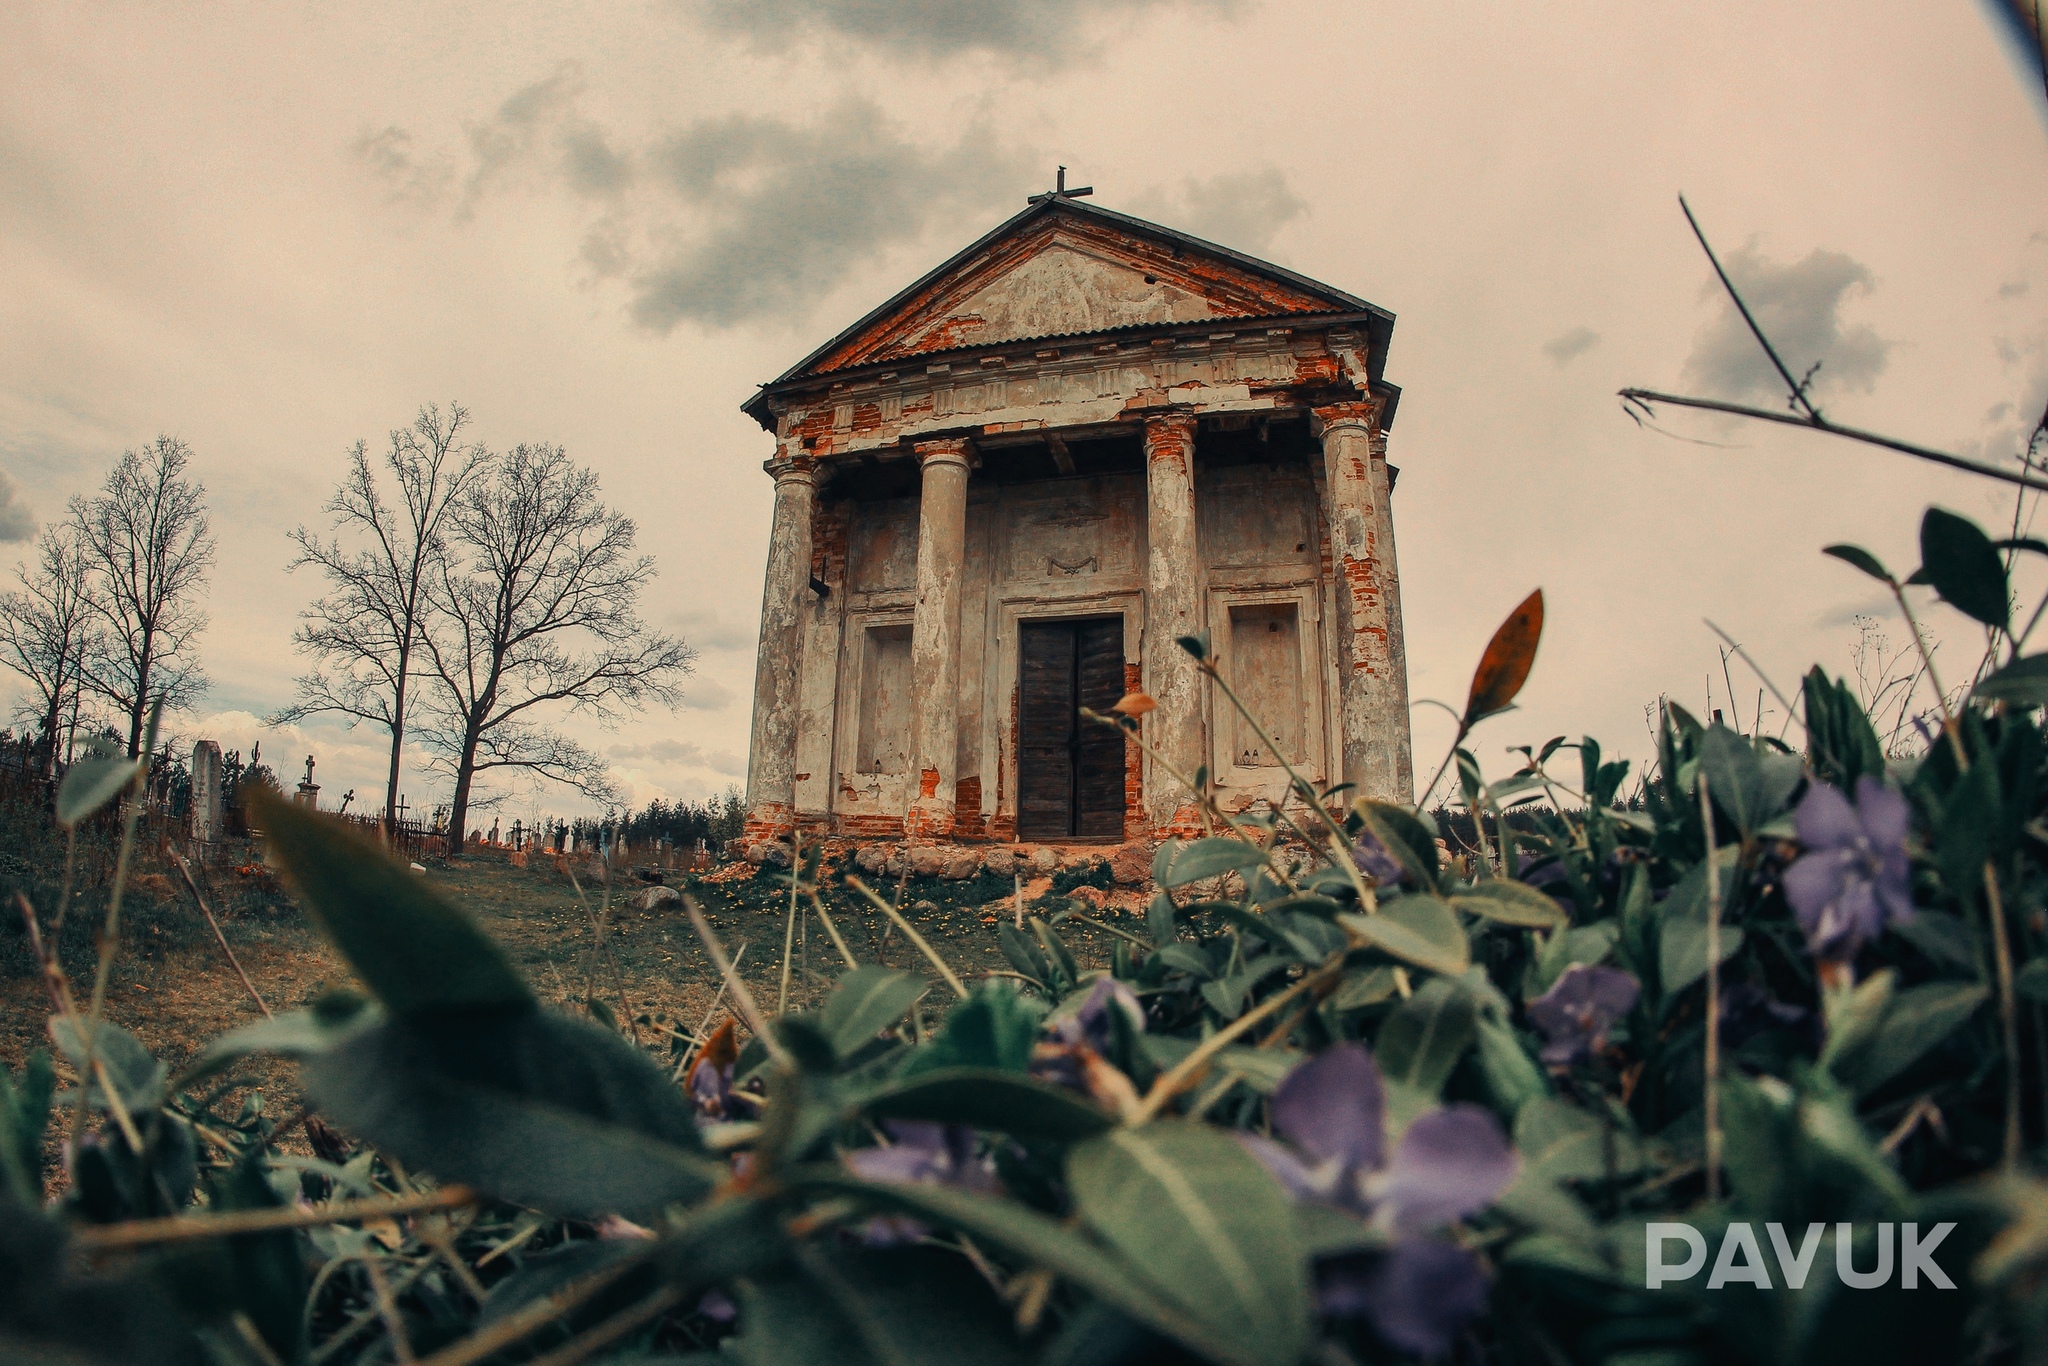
x=173 y=987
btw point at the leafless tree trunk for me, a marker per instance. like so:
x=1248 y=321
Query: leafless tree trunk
x=146 y=544
x=364 y=632
x=46 y=629
x=536 y=605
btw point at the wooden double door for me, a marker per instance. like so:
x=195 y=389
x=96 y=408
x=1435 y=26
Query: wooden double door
x=1070 y=772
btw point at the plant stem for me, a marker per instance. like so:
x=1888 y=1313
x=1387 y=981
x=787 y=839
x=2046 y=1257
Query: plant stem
x=2008 y=1013
x=896 y=918
x=1713 y=1063
x=742 y=998
x=184 y=1228
x=832 y=929
x=1184 y=1072
x=110 y=934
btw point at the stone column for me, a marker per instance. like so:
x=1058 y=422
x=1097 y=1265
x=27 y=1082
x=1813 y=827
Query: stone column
x=1173 y=608
x=935 y=637
x=771 y=754
x=1369 y=730
x=1398 y=717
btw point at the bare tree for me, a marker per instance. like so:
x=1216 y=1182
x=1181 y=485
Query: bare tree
x=146 y=544
x=46 y=630
x=536 y=605
x=363 y=634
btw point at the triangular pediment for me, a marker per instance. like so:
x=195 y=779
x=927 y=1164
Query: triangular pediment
x=1067 y=269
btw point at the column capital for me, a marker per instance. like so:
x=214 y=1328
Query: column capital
x=792 y=468
x=1361 y=414
x=945 y=450
x=1168 y=419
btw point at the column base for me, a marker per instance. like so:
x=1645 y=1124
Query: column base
x=928 y=819
x=769 y=821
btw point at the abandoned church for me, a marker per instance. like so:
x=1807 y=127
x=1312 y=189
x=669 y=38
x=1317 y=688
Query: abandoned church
x=1002 y=496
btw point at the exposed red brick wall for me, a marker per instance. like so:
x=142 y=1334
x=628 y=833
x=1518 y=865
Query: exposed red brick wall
x=1134 y=765
x=871 y=827
x=967 y=818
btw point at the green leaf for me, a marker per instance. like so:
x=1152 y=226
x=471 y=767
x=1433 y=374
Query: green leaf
x=1364 y=987
x=989 y=1099
x=1734 y=777
x=1422 y=1040
x=2031 y=981
x=24 y=1114
x=2023 y=683
x=1511 y=1074
x=1208 y=1223
x=1561 y=1142
x=294 y=1034
x=1964 y=567
x=1023 y=954
x=1853 y=1015
x=1418 y=929
x=994 y=1027
x=90 y=783
x=532 y=1107
x=1186 y=958
x=1682 y=953
x=1405 y=837
x=415 y=951
x=1211 y=857
x=1261 y=1068
x=911 y=1306
x=138 y=1077
x=1510 y=903
x=1862 y=559
x=1920 y=1019
x=1226 y=996
x=1040 y=1240
x=867 y=1001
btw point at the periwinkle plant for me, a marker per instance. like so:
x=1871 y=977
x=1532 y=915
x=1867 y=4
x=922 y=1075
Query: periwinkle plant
x=1378 y=1105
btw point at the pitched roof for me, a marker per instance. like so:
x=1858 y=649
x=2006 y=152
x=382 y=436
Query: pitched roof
x=1067 y=268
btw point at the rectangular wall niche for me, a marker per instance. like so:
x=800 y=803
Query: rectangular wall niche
x=884 y=700
x=1265 y=667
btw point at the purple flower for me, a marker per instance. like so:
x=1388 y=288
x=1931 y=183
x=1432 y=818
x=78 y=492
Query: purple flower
x=927 y=1153
x=1376 y=861
x=1090 y=1023
x=1331 y=1110
x=1579 y=1009
x=920 y=1152
x=1855 y=876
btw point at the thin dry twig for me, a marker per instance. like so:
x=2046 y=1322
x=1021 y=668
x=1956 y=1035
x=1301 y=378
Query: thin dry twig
x=220 y=938
x=184 y=1228
x=896 y=918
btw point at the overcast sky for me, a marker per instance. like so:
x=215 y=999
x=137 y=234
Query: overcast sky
x=281 y=228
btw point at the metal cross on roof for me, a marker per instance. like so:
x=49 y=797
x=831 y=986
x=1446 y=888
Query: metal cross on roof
x=1060 y=190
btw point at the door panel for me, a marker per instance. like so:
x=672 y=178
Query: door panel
x=1045 y=731
x=1070 y=772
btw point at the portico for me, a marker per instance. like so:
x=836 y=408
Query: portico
x=1002 y=496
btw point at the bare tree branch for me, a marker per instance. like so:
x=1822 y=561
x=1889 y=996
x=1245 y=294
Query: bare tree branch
x=364 y=632
x=145 y=541
x=48 y=628
x=541 y=614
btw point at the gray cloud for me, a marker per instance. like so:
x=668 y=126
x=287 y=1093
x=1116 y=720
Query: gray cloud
x=1569 y=346
x=785 y=212
x=683 y=752
x=705 y=695
x=1032 y=30
x=706 y=630
x=1239 y=209
x=2012 y=289
x=723 y=222
x=17 y=523
x=1799 y=307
